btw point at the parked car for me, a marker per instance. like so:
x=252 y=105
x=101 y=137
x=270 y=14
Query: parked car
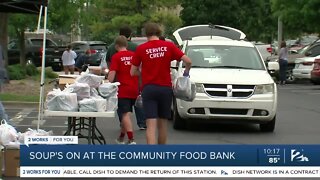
x=304 y=65
x=141 y=40
x=231 y=79
x=33 y=51
x=264 y=49
x=310 y=50
x=315 y=73
x=98 y=50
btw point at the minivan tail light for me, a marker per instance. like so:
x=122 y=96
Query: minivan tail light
x=307 y=63
x=93 y=51
x=316 y=64
x=269 y=49
x=41 y=51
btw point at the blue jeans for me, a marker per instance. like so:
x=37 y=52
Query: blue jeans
x=3 y=114
x=283 y=70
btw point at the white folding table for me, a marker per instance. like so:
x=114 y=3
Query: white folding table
x=77 y=122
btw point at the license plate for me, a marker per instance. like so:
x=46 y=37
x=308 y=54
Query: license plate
x=56 y=60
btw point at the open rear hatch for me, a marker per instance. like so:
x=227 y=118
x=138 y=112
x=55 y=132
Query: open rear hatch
x=189 y=32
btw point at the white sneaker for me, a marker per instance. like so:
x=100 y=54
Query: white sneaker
x=119 y=141
x=131 y=142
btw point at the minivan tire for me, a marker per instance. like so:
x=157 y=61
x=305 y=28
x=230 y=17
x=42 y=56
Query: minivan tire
x=269 y=126
x=178 y=122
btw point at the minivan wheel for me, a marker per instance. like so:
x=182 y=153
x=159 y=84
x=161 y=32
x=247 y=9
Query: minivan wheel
x=290 y=77
x=178 y=122
x=268 y=127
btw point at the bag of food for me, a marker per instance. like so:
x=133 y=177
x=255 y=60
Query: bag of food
x=93 y=104
x=81 y=89
x=108 y=89
x=112 y=103
x=87 y=105
x=184 y=89
x=8 y=133
x=58 y=100
x=91 y=79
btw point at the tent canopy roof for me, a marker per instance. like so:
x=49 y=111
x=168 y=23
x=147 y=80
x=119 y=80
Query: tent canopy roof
x=22 y=6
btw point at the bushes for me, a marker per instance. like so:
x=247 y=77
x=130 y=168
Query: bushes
x=50 y=74
x=31 y=70
x=17 y=72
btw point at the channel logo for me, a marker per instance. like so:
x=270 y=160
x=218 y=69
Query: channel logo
x=224 y=172
x=298 y=156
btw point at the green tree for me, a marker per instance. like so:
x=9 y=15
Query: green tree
x=4 y=35
x=253 y=17
x=136 y=13
x=18 y=24
x=298 y=16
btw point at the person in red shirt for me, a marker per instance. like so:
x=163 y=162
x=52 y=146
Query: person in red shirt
x=128 y=88
x=155 y=58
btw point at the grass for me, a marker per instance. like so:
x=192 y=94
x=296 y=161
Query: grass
x=17 y=97
x=27 y=90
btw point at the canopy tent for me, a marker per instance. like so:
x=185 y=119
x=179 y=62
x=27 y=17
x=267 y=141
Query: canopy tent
x=33 y=7
x=22 y=6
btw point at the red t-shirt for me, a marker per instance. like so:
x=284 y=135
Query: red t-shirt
x=129 y=85
x=155 y=57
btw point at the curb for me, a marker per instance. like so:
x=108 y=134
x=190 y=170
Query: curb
x=14 y=104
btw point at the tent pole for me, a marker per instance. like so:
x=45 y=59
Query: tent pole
x=39 y=19
x=41 y=103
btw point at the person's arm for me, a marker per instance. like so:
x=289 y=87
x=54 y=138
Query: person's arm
x=111 y=76
x=134 y=71
x=179 y=55
x=187 y=61
x=135 y=64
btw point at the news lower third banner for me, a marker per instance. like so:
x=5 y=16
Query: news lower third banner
x=170 y=161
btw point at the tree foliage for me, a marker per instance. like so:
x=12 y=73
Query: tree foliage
x=298 y=16
x=19 y=23
x=253 y=17
x=100 y=19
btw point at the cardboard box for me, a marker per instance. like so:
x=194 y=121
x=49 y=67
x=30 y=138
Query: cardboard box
x=66 y=79
x=95 y=70
x=12 y=162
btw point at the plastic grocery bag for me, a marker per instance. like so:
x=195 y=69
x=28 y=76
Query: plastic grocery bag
x=112 y=103
x=33 y=132
x=139 y=102
x=184 y=89
x=91 y=79
x=108 y=89
x=8 y=134
x=81 y=89
x=58 y=100
x=87 y=105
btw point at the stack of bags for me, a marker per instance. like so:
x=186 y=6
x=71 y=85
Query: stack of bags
x=88 y=94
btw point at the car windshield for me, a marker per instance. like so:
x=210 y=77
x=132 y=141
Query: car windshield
x=99 y=47
x=235 y=57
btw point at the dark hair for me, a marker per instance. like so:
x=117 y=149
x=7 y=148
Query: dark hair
x=162 y=38
x=121 y=41
x=152 y=29
x=125 y=31
x=283 y=44
x=69 y=47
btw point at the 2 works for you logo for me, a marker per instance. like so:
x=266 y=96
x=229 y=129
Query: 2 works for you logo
x=298 y=156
